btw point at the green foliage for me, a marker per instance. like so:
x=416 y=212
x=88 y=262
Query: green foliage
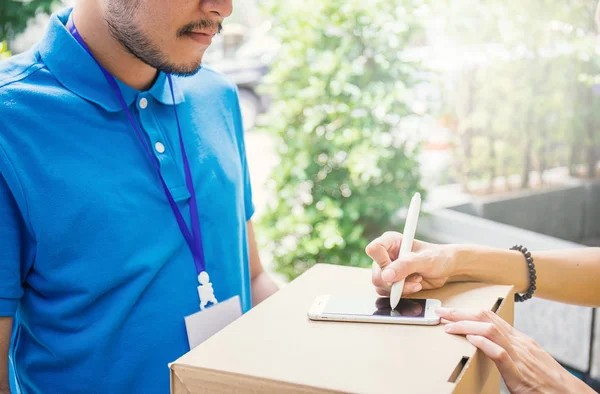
x=339 y=88
x=14 y=15
x=4 y=52
x=530 y=105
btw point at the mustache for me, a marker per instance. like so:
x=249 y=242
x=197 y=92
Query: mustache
x=202 y=24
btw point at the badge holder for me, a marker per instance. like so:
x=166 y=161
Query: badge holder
x=213 y=315
x=206 y=293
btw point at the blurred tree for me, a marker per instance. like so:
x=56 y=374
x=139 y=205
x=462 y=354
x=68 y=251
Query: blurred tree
x=14 y=15
x=340 y=86
x=527 y=103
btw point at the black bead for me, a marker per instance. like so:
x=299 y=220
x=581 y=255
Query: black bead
x=518 y=298
x=527 y=254
x=531 y=265
x=529 y=260
x=533 y=288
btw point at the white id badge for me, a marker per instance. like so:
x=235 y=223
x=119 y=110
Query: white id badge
x=202 y=325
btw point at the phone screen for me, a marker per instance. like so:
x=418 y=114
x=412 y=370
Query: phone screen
x=375 y=306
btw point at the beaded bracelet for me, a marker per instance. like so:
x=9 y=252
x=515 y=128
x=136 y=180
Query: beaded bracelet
x=532 y=276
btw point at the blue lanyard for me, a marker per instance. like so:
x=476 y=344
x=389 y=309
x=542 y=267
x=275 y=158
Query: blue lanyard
x=193 y=239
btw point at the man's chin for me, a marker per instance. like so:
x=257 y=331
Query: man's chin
x=182 y=71
x=186 y=73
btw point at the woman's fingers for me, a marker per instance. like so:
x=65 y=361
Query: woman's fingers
x=508 y=348
x=487 y=330
x=499 y=355
x=382 y=292
x=415 y=278
x=482 y=315
x=383 y=287
x=411 y=288
x=455 y=314
x=379 y=249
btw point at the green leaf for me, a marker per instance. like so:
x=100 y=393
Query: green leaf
x=343 y=173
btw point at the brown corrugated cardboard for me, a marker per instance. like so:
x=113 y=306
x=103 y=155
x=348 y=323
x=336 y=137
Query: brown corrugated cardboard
x=275 y=348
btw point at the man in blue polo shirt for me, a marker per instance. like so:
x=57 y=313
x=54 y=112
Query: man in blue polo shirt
x=123 y=181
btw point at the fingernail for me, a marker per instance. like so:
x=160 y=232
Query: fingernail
x=440 y=311
x=419 y=279
x=388 y=275
x=449 y=327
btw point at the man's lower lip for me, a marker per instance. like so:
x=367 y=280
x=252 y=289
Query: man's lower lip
x=201 y=38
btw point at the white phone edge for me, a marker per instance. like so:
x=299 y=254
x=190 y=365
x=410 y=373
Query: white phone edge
x=316 y=313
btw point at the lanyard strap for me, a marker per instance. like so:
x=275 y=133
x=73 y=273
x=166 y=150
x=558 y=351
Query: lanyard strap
x=193 y=239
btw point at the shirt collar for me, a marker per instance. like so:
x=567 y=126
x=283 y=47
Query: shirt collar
x=76 y=70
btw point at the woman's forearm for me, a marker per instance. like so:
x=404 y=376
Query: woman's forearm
x=570 y=276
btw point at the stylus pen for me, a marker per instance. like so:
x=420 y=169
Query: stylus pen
x=410 y=228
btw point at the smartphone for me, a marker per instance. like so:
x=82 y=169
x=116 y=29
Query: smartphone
x=375 y=310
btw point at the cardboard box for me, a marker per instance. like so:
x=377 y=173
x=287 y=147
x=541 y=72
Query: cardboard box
x=275 y=348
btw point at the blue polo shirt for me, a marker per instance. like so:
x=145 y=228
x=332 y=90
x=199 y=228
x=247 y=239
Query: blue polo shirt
x=93 y=265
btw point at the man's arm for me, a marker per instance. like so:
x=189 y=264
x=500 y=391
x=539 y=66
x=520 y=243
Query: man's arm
x=262 y=284
x=570 y=276
x=5 y=334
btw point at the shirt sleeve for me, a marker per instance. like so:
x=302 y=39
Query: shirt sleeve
x=12 y=250
x=240 y=134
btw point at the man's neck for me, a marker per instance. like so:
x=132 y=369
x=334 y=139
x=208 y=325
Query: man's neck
x=108 y=51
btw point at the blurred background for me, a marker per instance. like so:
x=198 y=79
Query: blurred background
x=486 y=107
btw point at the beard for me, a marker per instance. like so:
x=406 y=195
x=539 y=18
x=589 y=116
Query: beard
x=120 y=20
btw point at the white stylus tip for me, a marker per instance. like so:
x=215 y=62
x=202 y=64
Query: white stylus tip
x=396 y=294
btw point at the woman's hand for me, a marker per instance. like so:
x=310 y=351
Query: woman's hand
x=428 y=266
x=523 y=364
